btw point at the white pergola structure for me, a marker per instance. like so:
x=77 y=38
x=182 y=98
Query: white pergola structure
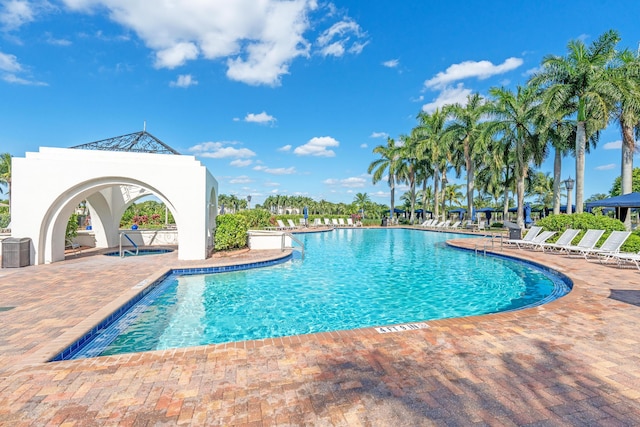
x=48 y=185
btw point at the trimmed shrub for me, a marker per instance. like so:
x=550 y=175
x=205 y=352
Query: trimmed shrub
x=256 y=218
x=584 y=222
x=231 y=232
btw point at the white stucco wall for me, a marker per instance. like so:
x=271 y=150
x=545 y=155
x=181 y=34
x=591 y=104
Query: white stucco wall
x=49 y=184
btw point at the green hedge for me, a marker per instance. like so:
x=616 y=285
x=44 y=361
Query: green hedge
x=231 y=232
x=587 y=221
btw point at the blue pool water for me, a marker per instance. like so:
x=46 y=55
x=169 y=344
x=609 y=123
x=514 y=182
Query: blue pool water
x=349 y=278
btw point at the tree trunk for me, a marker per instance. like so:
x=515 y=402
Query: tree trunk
x=436 y=193
x=520 y=195
x=581 y=143
x=470 y=189
x=392 y=184
x=626 y=175
x=557 y=180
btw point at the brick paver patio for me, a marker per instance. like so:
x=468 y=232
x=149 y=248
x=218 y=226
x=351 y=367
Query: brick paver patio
x=574 y=361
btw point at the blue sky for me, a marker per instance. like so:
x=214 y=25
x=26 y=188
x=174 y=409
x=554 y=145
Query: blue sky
x=278 y=97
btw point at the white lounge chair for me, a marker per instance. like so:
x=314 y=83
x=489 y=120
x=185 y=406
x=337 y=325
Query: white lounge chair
x=622 y=257
x=327 y=222
x=281 y=225
x=539 y=239
x=565 y=239
x=610 y=246
x=317 y=222
x=588 y=241
x=426 y=223
x=531 y=234
x=350 y=223
x=292 y=224
x=455 y=224
x=334 y=222
x=341 y=222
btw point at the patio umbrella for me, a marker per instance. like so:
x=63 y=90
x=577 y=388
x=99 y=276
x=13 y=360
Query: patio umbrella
x=305 y=212
x=527 y=214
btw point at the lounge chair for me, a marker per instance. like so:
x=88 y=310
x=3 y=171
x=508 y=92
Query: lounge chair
x=621 y=257
x=588 y=241
x=292 y=224
x=455 y=224
x=341 y=222
x=565 y=239
x=531 y=234
x=334 y=222
x=536 y=241
x=610 y=246
x=426 y=223
x=281 y=225
x=351 y=224
x=317 y=222
x=327 y=222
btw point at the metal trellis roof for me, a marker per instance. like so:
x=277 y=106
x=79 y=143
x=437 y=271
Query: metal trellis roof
x=138 y=142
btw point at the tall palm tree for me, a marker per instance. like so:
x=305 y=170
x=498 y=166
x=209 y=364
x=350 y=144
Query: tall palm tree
x=434 y=148
x=464 y=131
x=512 y=117
x=626 y=77
x=5 y=172
x=388 y=163
x=408 y=160
x=582 y=77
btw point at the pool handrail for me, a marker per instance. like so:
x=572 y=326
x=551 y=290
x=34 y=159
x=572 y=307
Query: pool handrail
x=126 y=251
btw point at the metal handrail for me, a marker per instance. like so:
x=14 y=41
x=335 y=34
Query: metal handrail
x=122 y=252
x=285 y=234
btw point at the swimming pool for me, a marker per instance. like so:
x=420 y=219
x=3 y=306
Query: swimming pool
x=350 y=278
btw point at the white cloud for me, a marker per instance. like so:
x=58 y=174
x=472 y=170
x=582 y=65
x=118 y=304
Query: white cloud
x=57 y=42
x=379 y=135
x=240 y=163
x=392 y=63
x=16 y=13
x=285 y=148
x=532 y=71
x=318 y=146
x=275 y=171
x=363 y=145
x=352 y=182
x=184 y=80
x=448 y=96
x=242 y=179
x=606 y=167
x=12 y=78
x=258 y=40
x=614 y=145
x=480 y=69
x=9 y=63
x=336 y=40
x=220 y=150
x=259 y=118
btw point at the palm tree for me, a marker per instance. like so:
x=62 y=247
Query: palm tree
x=407 y=167
x=362 y=200
x=512 y=117
x=5 y=172
x=464 y=131
x=434 y=148
x=388 y=163
x=452 y=194
x=627 y=80
x=542 y=188
x=581 y=78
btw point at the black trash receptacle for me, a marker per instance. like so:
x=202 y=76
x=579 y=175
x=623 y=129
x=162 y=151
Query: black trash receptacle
x=16 y=252
x=384 y=222
x=515 y=233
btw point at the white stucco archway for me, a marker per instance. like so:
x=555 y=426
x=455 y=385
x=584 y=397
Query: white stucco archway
x=49 y=184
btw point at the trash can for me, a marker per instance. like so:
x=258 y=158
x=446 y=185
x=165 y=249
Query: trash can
x=16 y=252
x=515 y=233
x=384 y=222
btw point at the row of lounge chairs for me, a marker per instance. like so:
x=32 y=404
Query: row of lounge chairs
x=586 y=247
x=333 y=222
x=448 y=224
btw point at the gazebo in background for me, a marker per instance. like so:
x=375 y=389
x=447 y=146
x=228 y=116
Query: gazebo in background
x=110 y=175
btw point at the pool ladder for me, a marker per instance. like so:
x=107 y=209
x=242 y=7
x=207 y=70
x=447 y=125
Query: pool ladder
x=484 y=246
x=127 y=251
x=293 y=239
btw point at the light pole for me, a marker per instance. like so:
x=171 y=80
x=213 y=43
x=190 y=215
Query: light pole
x=568 y=183
x=249 y=202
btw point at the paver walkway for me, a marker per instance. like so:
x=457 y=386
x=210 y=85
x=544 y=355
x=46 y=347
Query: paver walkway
x=574 y=361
